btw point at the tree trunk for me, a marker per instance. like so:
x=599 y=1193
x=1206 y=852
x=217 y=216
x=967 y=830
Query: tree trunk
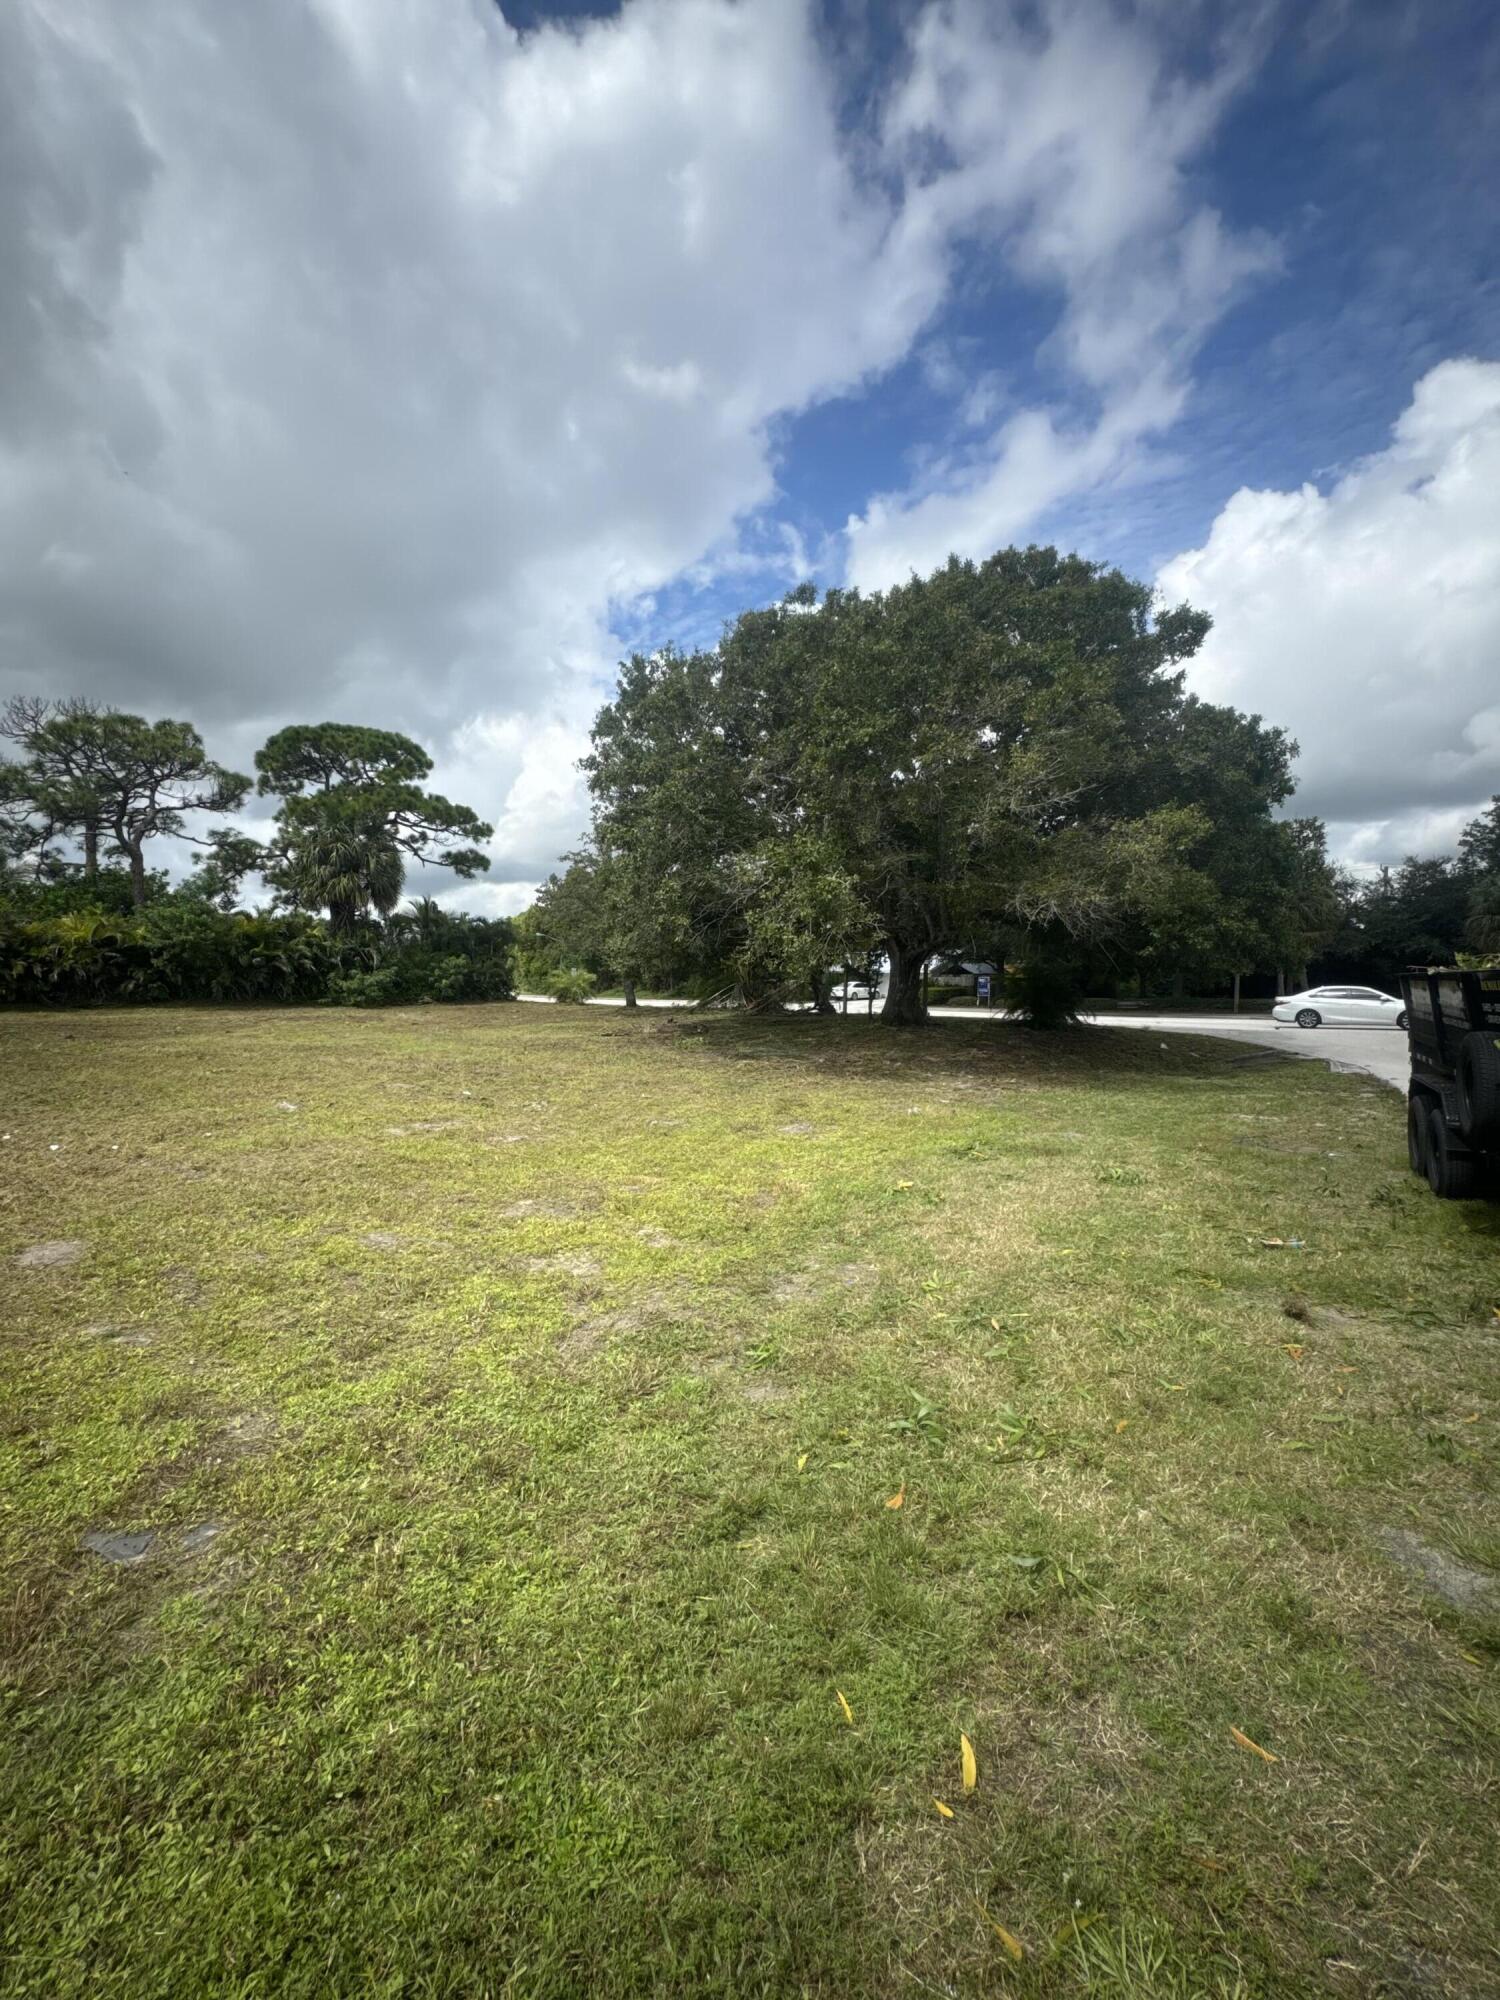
x=1176 y=985
x=904 y=1005
x=1236 y=993
x=821 y=983
x=137 y=873
x=90 y=849
x=629 y=986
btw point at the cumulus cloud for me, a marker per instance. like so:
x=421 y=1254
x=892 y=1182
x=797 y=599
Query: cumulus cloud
x=1064 y=137
x=1366 y=620
x=366 y=358
x=361 y=354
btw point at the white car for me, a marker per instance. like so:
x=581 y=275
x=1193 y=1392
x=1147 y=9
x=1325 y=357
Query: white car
x=1341 y=1007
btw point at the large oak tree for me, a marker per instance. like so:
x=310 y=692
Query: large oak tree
x=1000 y=747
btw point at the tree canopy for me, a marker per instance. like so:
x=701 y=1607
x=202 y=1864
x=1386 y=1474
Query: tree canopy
x=352 y=814
x=99 y=773
x=999 y=748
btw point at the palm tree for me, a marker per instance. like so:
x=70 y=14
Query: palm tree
x=344 y=868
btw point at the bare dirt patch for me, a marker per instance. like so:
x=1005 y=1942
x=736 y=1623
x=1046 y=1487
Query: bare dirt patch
x=54 y=1256
x=1456 y=1583
x=589 y=1336
x=563 y=1264
x=245 y=1433
x=817 y=1281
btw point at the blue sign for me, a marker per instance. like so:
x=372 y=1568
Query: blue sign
x=984 y=986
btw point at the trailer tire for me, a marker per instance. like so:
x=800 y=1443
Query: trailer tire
x=1477 y=1073
x=1451 y=1176
x=1418 y=1112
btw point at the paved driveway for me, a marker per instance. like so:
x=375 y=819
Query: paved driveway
x=1378 y=1052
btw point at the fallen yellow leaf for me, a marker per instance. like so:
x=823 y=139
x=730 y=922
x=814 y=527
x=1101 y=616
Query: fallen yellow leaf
x=996 y=1324
x=971 y=1769
x=905 y=1184
x=844 y=1705
x=898 y=1499
x=1121 y=1425
x=802 y=1463
x=946 y=1811
x=1008 y=1938
x=1246 y=1743
x=1292 y=1347
x=1472 y=1658
x=1470 y=1420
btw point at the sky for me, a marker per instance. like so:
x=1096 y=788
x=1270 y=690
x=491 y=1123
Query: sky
x=410 y=361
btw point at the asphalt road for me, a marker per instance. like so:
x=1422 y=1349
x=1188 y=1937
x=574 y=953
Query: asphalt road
x=1377 y=1052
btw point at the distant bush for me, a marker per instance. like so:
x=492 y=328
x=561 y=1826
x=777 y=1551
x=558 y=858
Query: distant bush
x=166 y=952
x=412 y=976
x=570 y=985
x=429 y=953
x=107 y=892
x=1044 y=992
x=188 y=951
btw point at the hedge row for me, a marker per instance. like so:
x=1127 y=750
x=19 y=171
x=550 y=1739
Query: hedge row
x=179 y=952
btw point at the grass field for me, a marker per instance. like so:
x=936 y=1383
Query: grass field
x=518 y=1402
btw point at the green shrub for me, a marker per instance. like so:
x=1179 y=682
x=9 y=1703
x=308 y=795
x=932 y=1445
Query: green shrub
x=189 y=951
x=1044 y=991
x=571 y=985
x=106 y=893
x=166 y=952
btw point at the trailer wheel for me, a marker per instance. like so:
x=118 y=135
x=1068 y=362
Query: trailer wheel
x=1418 y=1112
x=1309 y=1017
x=1451 y=1176
x=1478 y=1078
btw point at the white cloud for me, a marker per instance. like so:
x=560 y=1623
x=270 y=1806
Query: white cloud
x=1065 y=138
x=367 y=359
x=363 y=353
x=1366 y=620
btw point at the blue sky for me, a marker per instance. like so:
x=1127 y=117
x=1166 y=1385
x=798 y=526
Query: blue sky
x=408 y=360
x=1365 y=144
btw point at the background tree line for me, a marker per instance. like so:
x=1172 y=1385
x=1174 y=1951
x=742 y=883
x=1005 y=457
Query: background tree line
x=1000 y=762
x=84 y=916
x=1427 y=911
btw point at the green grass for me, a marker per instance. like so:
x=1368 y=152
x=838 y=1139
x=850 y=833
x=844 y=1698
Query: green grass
x=548 y=1373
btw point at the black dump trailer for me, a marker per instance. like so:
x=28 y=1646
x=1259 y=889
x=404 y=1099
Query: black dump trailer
x=1453 y=1106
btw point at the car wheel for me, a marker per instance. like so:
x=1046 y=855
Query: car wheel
x=1452 y=1176
x=1418 y=1111
x=1401 y=1020
x=1478 y=1077
x=1309 y=1017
